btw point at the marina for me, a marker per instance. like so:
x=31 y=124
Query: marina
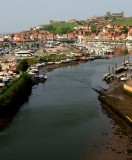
x=122 y=73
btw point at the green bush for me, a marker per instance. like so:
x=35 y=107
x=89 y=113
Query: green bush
x=23 y=65
x=52 y=57
x=9 y=92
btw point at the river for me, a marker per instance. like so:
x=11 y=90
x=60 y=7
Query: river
x=62 y=119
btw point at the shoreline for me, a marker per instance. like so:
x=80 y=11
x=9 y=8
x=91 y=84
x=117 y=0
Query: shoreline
x=109 y=97
x=117 y=105
x=117 y=101
x=119 y=146
x=6 y=114
x=50 y=67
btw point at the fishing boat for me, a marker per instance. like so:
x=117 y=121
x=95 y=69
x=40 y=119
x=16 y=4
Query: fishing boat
x=40 y=77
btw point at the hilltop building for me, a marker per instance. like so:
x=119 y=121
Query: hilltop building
x=97 y=19
x=53 y=22
x=115 y=15
x=72 y=20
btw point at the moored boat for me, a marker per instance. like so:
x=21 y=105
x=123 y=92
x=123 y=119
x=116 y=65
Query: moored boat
x=110 y=78
x=106 y=75
x=39 y=78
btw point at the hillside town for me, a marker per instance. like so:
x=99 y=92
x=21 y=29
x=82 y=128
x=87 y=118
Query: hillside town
x=95 y=39
x=95 y=29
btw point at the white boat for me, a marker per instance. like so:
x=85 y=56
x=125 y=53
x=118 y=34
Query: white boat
x=51 y=62
x=43 y=77
x=58 y=62
x=40 y=77
x=128 y=44
x=106 y=75
x=110 y=78
x=124 y=78
x=31 y=73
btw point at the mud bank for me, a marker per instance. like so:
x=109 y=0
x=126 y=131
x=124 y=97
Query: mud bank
x=48 y=68
x=117 y=101
x=118 y=106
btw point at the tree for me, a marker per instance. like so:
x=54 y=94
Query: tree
x=114 y=19
x=49 y=28
x=106 y=18
x=125 y=30
x=23 y=65
x=94 y=29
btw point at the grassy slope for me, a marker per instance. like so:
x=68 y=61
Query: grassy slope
x=124 y=21
x=59 y=26
x=65 y=25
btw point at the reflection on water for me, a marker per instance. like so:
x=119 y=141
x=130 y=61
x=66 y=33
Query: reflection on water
x=129 y=49
x=123 y=50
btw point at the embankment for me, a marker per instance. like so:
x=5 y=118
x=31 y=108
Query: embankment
x=12 y=96
x=116 y=100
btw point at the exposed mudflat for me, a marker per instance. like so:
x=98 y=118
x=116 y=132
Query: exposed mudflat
x=118 y=106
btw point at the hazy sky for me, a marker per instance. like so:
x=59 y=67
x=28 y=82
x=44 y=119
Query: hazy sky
x=18 y=15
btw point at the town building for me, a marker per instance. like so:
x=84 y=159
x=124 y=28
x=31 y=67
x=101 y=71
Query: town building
x=53 y=22
x=115 y=15
x=72 y=20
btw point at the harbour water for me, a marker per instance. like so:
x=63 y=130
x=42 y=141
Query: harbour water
x=62 y=119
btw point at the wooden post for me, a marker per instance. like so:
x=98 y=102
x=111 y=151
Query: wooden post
x=109 y=68
x=124 y=60
x=116 y=64
x=113 y=70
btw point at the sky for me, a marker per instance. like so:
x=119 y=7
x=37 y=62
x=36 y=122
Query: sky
x=20 y=15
